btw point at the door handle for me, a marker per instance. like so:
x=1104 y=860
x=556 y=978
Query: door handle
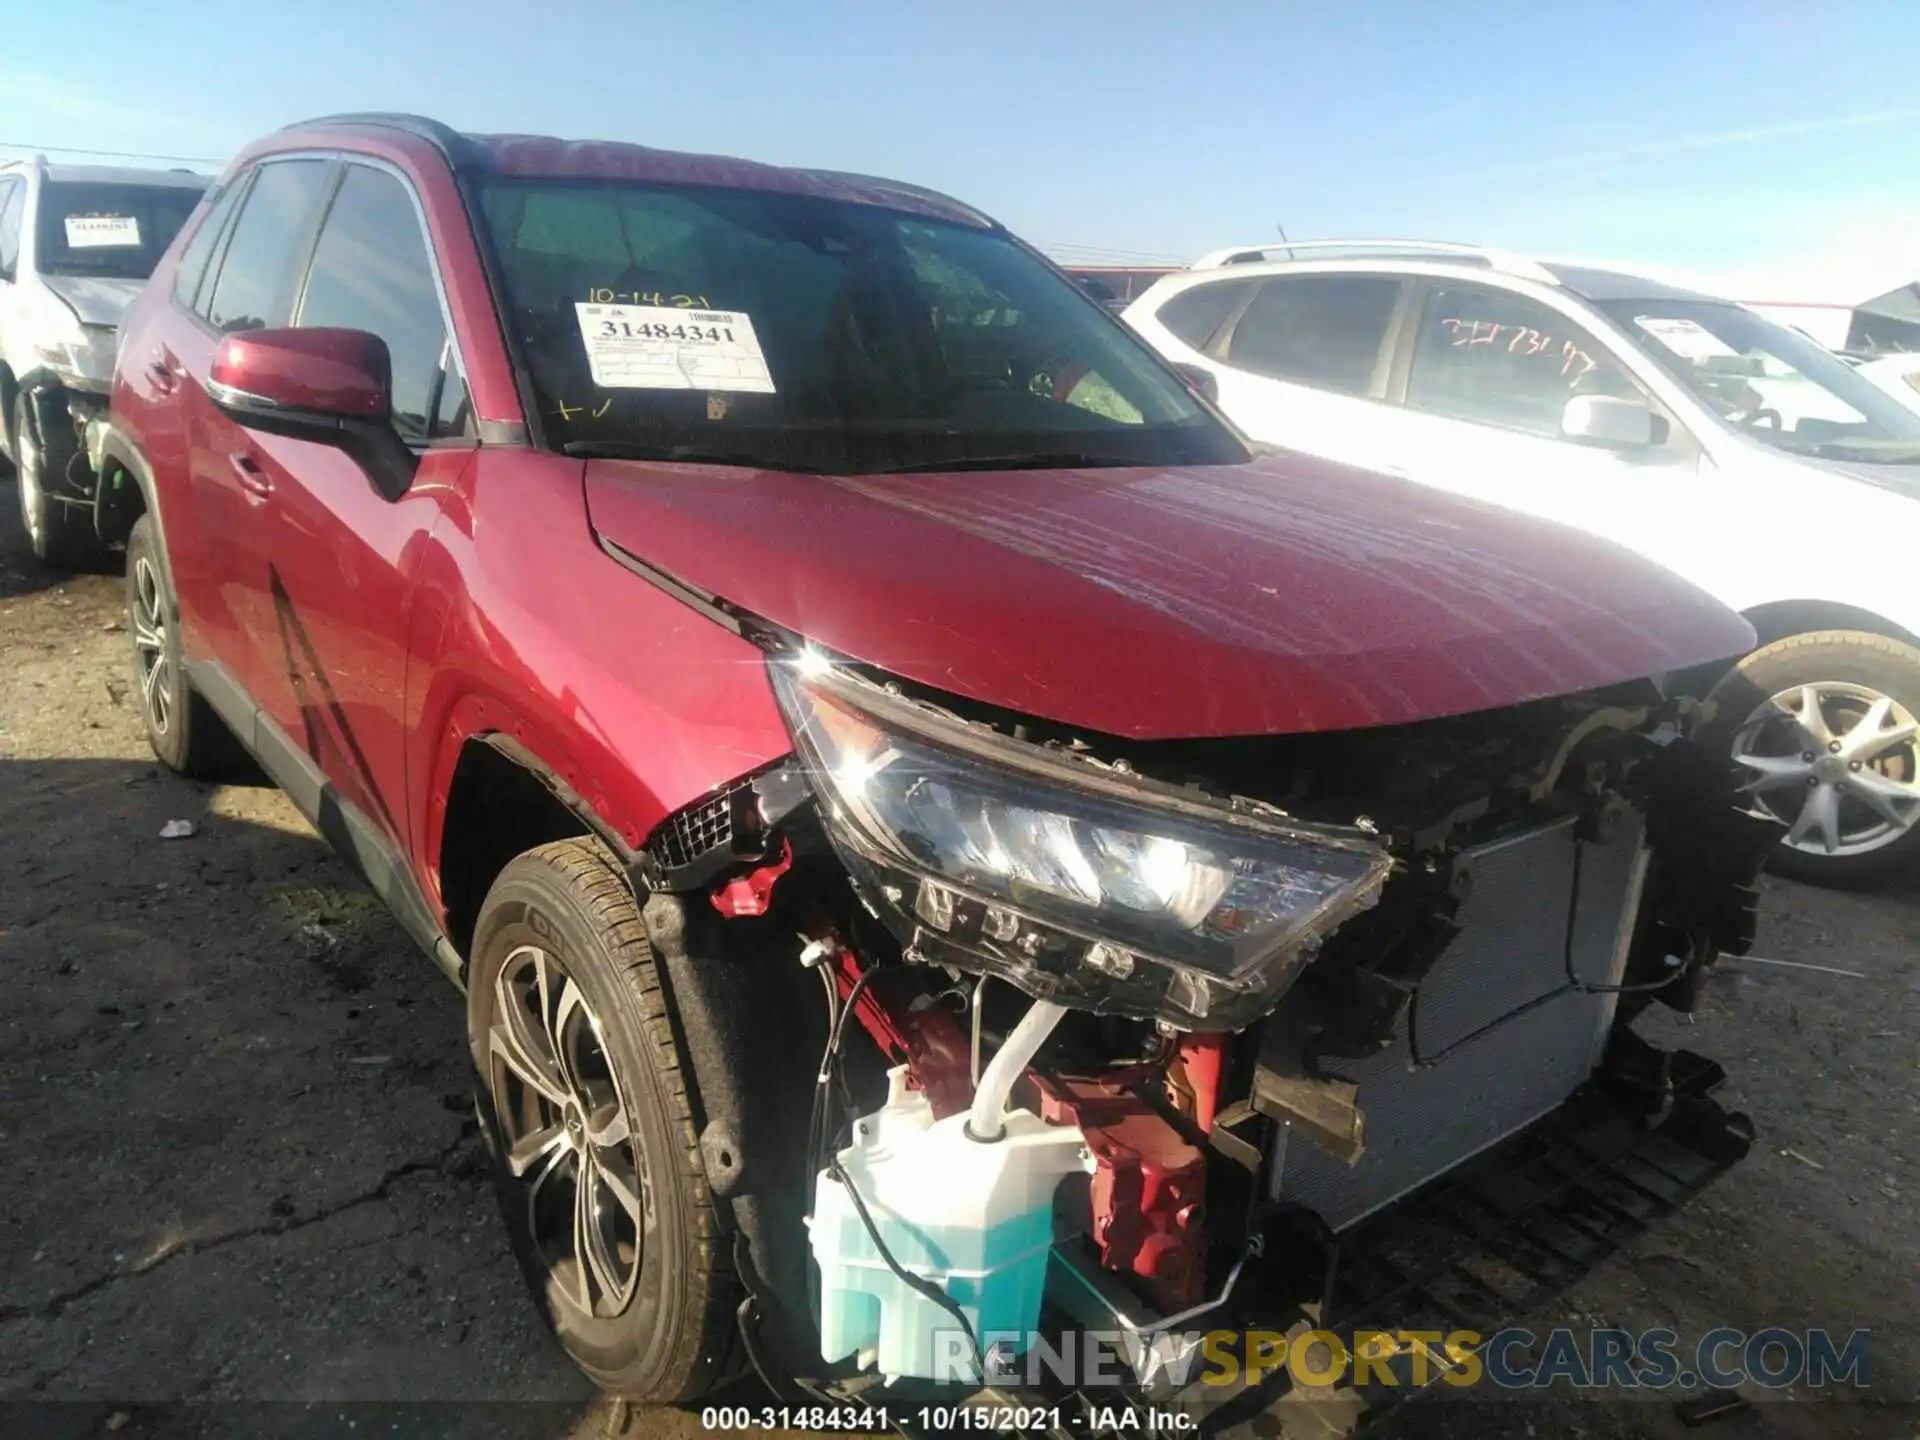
x=252 y=478
x=164 y=377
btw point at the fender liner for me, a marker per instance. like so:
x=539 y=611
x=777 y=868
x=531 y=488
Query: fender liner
x=750 y=1022
x=520 y=755
x=117 y=448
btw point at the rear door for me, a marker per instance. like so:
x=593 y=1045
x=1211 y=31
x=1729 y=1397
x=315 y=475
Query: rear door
x=1304 y=362
x=249 y=286
x=335 y=565
x=150 y=401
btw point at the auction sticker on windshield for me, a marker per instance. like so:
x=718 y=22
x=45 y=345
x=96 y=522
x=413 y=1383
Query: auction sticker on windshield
x=655 y=347
x=100 y=232
x=1688 y=339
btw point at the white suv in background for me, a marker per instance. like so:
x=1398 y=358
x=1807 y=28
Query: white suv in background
x=77 y=243
x=1729 y=448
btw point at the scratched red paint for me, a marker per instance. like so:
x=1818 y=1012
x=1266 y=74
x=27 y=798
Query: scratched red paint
x=1283 y=596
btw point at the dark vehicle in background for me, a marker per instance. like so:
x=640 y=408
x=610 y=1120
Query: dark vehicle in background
x=757 y=627
x=1117 y=286
x=76 y=244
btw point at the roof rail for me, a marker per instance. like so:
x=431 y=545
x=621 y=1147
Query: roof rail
x=444 y=138
x=1504 y=261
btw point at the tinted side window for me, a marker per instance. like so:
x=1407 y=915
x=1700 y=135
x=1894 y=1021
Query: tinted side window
x=1321 y=330
x=1195 y=314
x=193 y=260
x=252 y=289
x=13 y=205
x=1498 y=358
x=371 y=271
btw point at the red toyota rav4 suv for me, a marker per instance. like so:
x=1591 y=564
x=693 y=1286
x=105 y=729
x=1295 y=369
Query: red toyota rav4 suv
x=760 y=626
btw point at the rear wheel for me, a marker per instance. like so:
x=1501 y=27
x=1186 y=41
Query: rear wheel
x=1825 y=730
x=586 y=1107
x=58 y=533
x=182 y=728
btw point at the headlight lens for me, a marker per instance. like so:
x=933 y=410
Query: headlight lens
x=1080 y=884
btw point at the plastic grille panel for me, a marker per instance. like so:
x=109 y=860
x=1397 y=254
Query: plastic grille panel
x=688 y=834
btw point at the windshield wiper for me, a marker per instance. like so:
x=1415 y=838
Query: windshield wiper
x=678 y=454
x=1023 y=460
x=1868 y=452
x=1858 y=452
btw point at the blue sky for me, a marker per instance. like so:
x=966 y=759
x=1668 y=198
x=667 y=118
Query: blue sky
x=1716 y=135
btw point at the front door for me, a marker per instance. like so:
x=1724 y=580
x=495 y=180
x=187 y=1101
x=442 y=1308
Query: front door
x=1489 y=375
x=217 y=545
x=336 y=562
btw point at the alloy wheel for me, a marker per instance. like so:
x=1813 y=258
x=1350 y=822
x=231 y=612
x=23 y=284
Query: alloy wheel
x=567 y=1135
x=26 y=468
x=1838 y=763
x=150 y=644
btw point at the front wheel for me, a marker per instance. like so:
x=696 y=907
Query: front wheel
x=58 y=533
x=1823 y=730
x=586 y=1108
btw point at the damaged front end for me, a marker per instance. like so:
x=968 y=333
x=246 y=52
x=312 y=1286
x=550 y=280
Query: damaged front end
x=1175 y=1026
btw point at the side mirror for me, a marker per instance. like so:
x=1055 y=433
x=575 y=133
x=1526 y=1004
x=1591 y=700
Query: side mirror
x=331 y=387
x=1202 y=381
x=1610 y=422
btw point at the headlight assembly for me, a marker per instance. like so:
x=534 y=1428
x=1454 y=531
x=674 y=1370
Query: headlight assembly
x=85 y=360
x=1079 y=883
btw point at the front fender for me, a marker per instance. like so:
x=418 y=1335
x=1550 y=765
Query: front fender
x=109 y=447
x=526 y=634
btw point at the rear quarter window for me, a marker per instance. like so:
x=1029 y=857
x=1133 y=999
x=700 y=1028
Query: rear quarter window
x=1196 y=315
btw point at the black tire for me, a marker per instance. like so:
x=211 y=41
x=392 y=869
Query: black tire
x=183 y=729
x=672 y=1337
x=1854 y=658
x=59 y=534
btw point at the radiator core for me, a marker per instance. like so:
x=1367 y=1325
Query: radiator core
x=1504 y=1027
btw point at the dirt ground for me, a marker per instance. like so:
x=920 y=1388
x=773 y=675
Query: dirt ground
x=241 y=1194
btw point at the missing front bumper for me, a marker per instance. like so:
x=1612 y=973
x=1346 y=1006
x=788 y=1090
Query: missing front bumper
x=1490 y=1245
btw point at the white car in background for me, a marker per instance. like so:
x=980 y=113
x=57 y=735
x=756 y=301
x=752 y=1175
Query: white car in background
x=1730 y=449
x=77 y=243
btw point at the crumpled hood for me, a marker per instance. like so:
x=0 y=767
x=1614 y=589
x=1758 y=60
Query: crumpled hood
x=1282 y=596
x=96 y=301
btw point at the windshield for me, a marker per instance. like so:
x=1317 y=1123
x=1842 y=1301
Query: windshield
x=115 y=231
x=792 y=332
x=1771 y=382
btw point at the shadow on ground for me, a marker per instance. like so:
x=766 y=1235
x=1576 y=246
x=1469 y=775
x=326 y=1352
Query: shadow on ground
x=243 y=1163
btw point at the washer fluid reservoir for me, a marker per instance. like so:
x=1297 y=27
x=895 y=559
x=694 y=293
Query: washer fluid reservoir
x=972 y=1217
